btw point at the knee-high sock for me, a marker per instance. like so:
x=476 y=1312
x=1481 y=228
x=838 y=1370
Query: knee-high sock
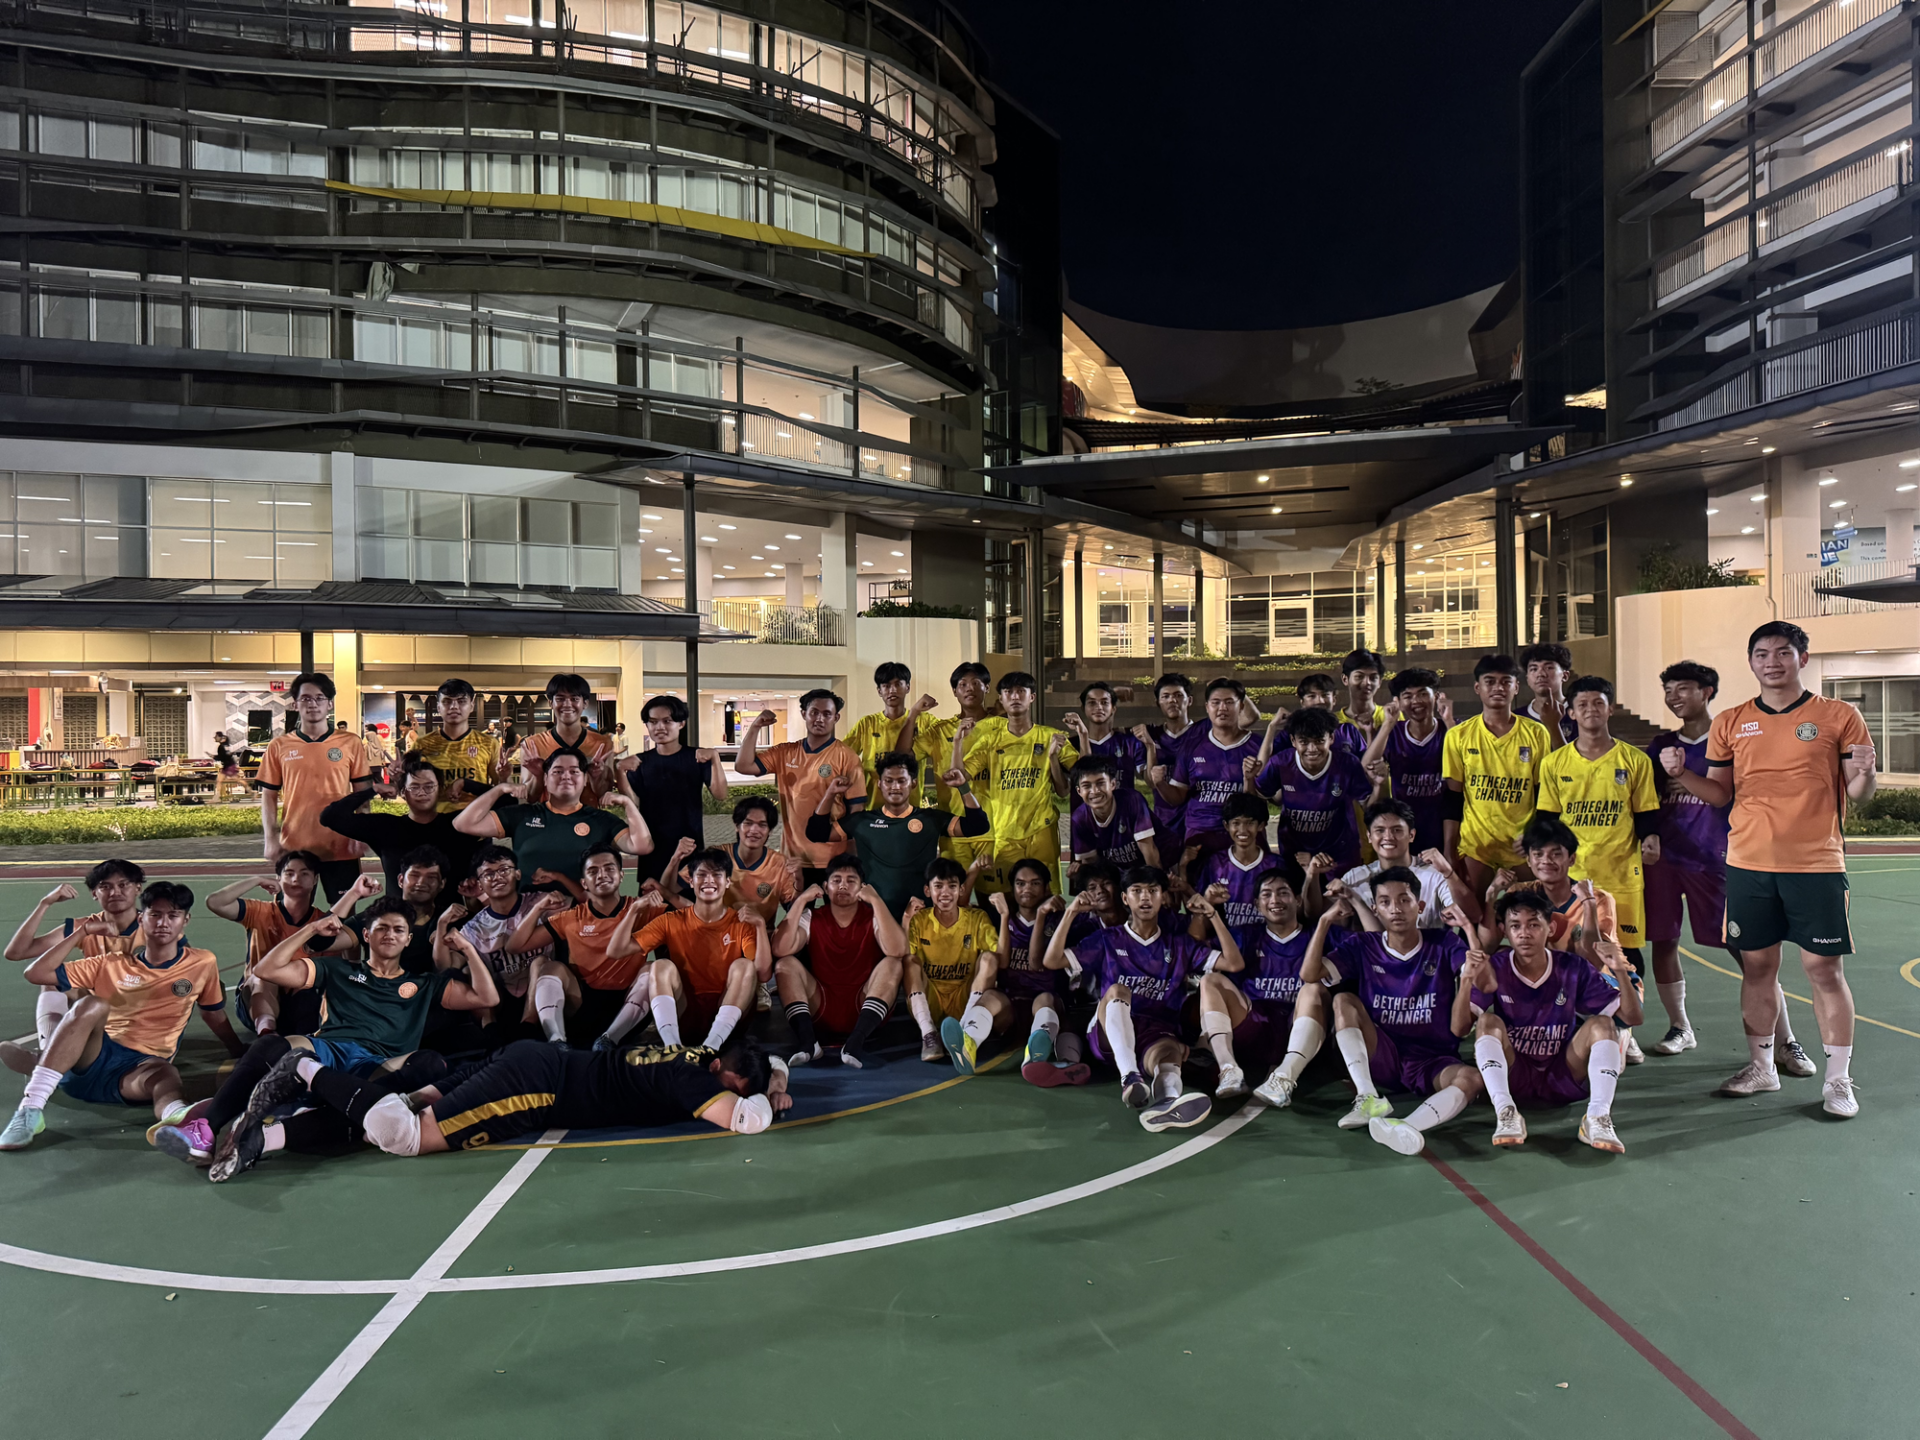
x=1673 y=995
x=666 y=1016
x=1046 y=1018
x=550 y=1005
x=1353 y=1050
x=1603 y=1076
x=1303 y=1043
x=976 y=1021
x=800 y=1021
x=922 y=1012
x=724 y=1020
x=48 y=1011
x=40 y=1087
x=873 y=1010
x=1491 y=1056
x=348 y=1093
x=1219 y=1033
x=318 y=1131
x=631 y=1009
x=1118 y=1025
x=248 y=1071
x=1783 y=1027
x=1443 y=1105
x=1166 y=1081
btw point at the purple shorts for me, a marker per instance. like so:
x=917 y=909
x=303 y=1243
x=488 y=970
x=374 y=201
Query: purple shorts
x=1031 y=984
x=1148 y=1030
x=1706 y=896
x=1407 y=1065
x=1260 y=1041
x=1541 y=1084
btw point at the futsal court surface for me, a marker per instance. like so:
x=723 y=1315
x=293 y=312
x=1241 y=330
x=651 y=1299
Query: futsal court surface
x=917 y=1255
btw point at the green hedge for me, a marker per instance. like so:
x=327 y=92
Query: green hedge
x=1890 y=812
x=111 y=826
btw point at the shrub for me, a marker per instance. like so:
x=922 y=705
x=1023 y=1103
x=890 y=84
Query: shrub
x=735 y=794
x=1890 y=812
x=915 y=610
x=112 y=826
x=1659 y=570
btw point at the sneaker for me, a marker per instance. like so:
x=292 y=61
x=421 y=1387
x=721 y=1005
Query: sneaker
x=1233 y=1083
x=1396 y=1135
x=1039 y=1048
x=1598 y=1131
x=1509 y=1127
x=1752 y=1079
x=801 y=1057
x=763 y=1001
x=27 y=1122
x=1837 y=1097
x=1366 y=1108
x=188 y=1140
x=1048 y=1074
x=604 y=1044
x=1178 y=1112
x=279 y=1085
x=180 y=1120
x=1134 y=1091
x=932 y=1051
x=239 y=1149
x=1631 y=1051
x=961 y=1047
x=18 y=1058
x=1792 y=1059
x=1675 y=1040
x=1276 y=1090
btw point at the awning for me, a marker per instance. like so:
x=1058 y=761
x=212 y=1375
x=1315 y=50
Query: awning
x=1894 y=590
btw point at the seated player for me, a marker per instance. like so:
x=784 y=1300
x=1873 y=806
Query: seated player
x=1111 y=822
x=1530 y=1043
x=899 y=839
x=116 y=1045
x=1396 y=1027
x=1317 y=784
x=530 y=1088
x=504 y=905
x=1582 y=914
x=1257 y=1011
x=953 y=954
x=1141 y=969
x=552 y=835
x=762 y=878
x=115 y=886
x=714 y=955
x=1025 y=980
x=576 y=980
x=294 y=883
x=1390 y=830
x=1094 y=735
x=856 y=953
x=1230 y=878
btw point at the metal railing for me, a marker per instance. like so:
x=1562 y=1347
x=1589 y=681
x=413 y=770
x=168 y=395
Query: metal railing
x=1812 y=31
x=1721 y=92
x=1802 y=603
x=1711 y=252
x=1845 y=353
x=781 y=624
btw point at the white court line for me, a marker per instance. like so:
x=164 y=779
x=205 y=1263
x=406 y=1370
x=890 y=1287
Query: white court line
x=336 y=1377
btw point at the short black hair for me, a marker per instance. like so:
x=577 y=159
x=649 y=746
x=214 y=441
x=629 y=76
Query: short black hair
x=745 y=1058
x=1545 y=651
x=1310 y=722
x=887 y=671
x=486 y=854
x=966 y=668
x=1102 y=686
x=1363 y=659
x=1416 y=677
x=1495 y=665
x=1017 y=680
x=806 y=700
x=1591 y=685
x=675 y=706
x=757 y=802
x=1096 y=765
x=1289 y=875
x=386 y=905
x=1390 y=806
x=1225 y=682
x=1781 y=630
x=1244 y=805
x=846 y=860
x=1091 y=870
x=324 y=683
x=1039 y=867
x=426 y=857
x=1547 y=829
x=1681 y=670
x=944 y=867
x=455 y=686
x=604 y=847
x=896 y=760
x=1176 y=681
x=713 y=856
x=413 y=762
x=1315 y=684
x=107 y=869
x=1397 y=874
x=305 y=857
x=1523 y=898
x=171 y=891
x=569 y=685
x=1143 y=875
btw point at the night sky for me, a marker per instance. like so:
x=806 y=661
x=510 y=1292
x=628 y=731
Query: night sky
x=1246 y=164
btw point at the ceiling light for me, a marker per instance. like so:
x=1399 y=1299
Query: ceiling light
x=1276 y=510
x=769 y=547
x=866 y=562
x=1626 y=482
x=725 y=526
x=1265 y=478
x=1831 y=480
x=1535 y=514
x=1421 y=546
x=898 y=554
x=1768 y=449
x=899 y=572
x=793 y=537
x=709 y=539
x=645 y=531
x=1712 y=511
x=804 y=416
x=1757 y=499
x=726 y=567
x=1903 y=489
x=1836 y=504
x=1746 y=529
x=661 y=550
x=649 y=517
x=1108 y=547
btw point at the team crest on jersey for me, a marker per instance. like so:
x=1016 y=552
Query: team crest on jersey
x=1432 y=966
x=182 y=988
x=407 y=990
x=1806 y=730
x=1337 y=792
x=1526 y=754
x=763 y=889
x=583 y=829
x=1619 y=777
x=825 y=772
x=333 y=753
x=914 y=827
x=1560 y=999
x=1733 y=929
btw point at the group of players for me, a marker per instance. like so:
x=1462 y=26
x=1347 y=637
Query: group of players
x=1233 y=892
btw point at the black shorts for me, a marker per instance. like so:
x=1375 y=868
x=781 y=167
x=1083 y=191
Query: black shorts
x=596 y=1012
x=511 y=1095
x=1807 y=907
x=337 y=877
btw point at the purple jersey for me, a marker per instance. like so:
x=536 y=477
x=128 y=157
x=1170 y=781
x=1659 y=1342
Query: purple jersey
x=1693 y=834
x=1019 y=938
x=1171 y=748
x=1122 y=747
x=1242 y=882
x=1271 y=979
x=1542 y=1017
x=1317 y=810
x=1118 y=840
x=1411 y=996
x=1348 y=736
x=1213 y=774
x=1414 y=766
x=1154 y=970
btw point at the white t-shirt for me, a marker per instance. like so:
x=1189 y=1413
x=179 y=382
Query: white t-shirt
x=1435 y=893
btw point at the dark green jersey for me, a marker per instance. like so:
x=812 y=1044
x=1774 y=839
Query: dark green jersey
x=543 y=840
x=384 y=1013
x=895 y=851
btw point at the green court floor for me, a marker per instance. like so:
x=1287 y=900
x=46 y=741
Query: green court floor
x=1747 y=1268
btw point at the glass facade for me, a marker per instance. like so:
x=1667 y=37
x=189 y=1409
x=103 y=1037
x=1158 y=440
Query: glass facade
x=436 y=537
x=1891 y=708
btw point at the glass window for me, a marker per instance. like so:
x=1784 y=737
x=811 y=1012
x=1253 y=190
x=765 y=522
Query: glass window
x=47 y=499
x=163 y=323
x=60 y=135
x=302 y=562
x=374 y=340
x=51 y=549
x=439 y=560
x=181 y=554
x=596 y=525
x=63 y=316
x=383 y=558
x=116 y=499
x=219 y=327
x=269 y=332
x=183 y=502
x=113 y=550
x=549 y=522
x=1901 y=749
x=116 y=319
x=382 y=511
x=544 y=565
x=115 y=141
x=596 y=569
x=310 y=334
x=496 y=517
x=438 y=515
x=302 y=508
x=495 y=564
x=241 y=556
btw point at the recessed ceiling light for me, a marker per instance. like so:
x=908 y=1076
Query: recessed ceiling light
x=1626 y=481
x=866 y=562
x=1535 y=514
x=1831 y=480
x=1768 y=449
x=757 y=557
x=645 y=531
x=1746 y=529
x=769 y=574
x=769 y=547
x=899 y=554
x=1910 y=464
x=1836 y=504
x=899 y=572
x=1712 y=511
x=726 y=567
x=679 y=572
x=1420 y=547
x=725 y=526
x=793 y=537
x=1757 y=499
x=1276 y=511
x=661 y=550
x=709 y=539
x=649 y=517
x=1903 y=489
x=803 y=415
x=1265 y=478
x=1108 y=547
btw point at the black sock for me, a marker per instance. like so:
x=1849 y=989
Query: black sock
x=347 y=1093
x=418 y=1070
x=248 y=1071
x=318 y=1132
x=873 y=1010
x=800 y=1021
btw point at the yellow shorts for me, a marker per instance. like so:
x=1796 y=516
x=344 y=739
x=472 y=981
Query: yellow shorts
x=946 y=1001
x=1042 y=845
x=1496 y=853
x=964 y=848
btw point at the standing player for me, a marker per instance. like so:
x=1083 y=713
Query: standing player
x=953 y=953
x=468 y=761
x=551 y=836
x=802 y=770
x=568 y=697
x=1112 y=821
x=1531 y=1047
x=1093 y=734
x=972 y=686
x=893 y=727
x=856 y=953
x=900 y=839
x=714 y=955
x=1362 y=671
x=1211 y=768
x=1409 y=744
x=1164 y=743
x=1018 y=766
x=306 y=767
x=671 y=776
x=1789 y=761
x=1258 y=1011
x=1548 y=669
x=1317 y=786
x=1230 y=878
x=115 y=885
x=1491 y=763
x=393 y=837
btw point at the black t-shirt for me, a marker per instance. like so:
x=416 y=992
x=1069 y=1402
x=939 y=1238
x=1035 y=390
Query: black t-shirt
x=543 y=840
x=417 y=958
x=639 y=1085
x=669 y=788
x=393 y=837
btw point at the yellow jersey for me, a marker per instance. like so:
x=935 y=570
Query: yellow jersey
x=949 y=955
x=1598 y=800
x=933 y=743
x=1011 y=775
x=875 y=735
x=1500 y=775
x=474 y=756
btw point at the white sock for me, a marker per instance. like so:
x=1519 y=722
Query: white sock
x=273 y=1137
x=1673 y=995
x=631 y=1009
x=308 y=1067
x=550 y=1005
x=922 y=1014
x=1118 y=1025
x=174 y=1111
x=265 y=1024
x=1353 y=1050
x=1838 y=1058
x=1067 y=1047
x=40 y=1086
x=724 y=1020
x=976 y=1021
x=1760 y=1047
x=1302 y=1045
x=1491 y=1056
x=1045 y=1018
x=666 y=1016
x=1213 y=1025
x=1441 y=1106
x=1603 y=1076
x=1166 y=1081
x=1783 y=1027
x=48 y=1011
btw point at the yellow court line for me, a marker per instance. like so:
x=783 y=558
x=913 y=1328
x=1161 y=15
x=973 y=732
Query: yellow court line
x=1906 y=972
x=718 y=1134
x=1863 y=1019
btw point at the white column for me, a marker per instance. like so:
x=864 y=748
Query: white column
x=632 y=692
x=796 y=585
x=339 y=472
x=631 y=555
x=1900 y=537
x=839 y=563
x=702 y=561
x=1793 y=520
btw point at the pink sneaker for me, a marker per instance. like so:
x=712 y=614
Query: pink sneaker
x=191 y=1142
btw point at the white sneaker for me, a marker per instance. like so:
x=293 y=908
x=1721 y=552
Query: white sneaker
x=1751 y=1080
x=1837 y=1097
x=1632 y=1052
x=1676 y=1040
x=1397 y=1135
x=1598 y=1131
x=1233 y=1082
x=1365 y=1108
x=1276 y=1090
x=1509 y=1128
x=1792 y=1059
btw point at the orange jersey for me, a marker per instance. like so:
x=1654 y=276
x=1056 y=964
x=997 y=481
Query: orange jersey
x=127 y=939
x=308 y=776
x=1789 y=795
x=266 y=924
x=596 y=750
x=587 y=936
x=766 y=886
x=703 y=949
x=1563 y=931
x=802 y=776
x=148 y=1005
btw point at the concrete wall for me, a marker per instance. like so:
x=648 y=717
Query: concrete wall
x=930 y=648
